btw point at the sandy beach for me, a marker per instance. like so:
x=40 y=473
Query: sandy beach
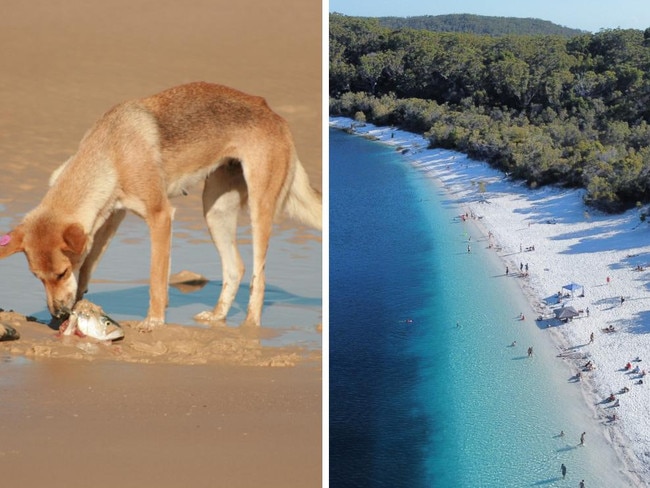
x=185 y=404
x=549 y=240
x=66 y=423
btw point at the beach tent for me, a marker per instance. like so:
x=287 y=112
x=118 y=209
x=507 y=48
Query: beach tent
x=566 y=313
x=573 y=288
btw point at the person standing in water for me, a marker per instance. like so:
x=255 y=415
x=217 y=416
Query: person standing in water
x=563 y=470
x=582 y=439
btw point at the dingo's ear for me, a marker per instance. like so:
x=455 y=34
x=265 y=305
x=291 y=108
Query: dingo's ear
x=11 y=243
x=74 y=238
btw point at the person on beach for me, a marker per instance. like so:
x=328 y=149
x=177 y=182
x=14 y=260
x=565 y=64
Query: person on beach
x=530 y=351
x=507 y=271
x=469 y=249
x=582 y=438
x=591 y=338
x=582 y=484
x=622 y=300
x=563 y=470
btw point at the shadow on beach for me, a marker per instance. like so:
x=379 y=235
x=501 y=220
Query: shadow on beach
x=133 y=301
x=567 y=448
x=547 y=481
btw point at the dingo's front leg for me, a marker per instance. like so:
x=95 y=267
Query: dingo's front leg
x=160 y=229
x=100 y=243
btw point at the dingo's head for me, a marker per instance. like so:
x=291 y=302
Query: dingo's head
x=55 y=252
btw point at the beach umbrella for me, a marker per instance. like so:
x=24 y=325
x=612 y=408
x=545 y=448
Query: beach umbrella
x=566 y=313
x=572 y=287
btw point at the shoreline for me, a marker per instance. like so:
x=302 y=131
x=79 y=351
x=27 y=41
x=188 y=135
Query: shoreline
x=572 y=244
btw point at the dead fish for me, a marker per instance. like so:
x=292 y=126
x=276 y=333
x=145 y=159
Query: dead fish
x=8 y=333
x=88 y=320
x=100 y=327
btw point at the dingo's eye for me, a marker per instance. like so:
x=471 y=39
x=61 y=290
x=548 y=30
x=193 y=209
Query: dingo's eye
x=60 y=276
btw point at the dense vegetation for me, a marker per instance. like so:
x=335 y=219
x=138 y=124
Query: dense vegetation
x=479 y=24
x=546 y=109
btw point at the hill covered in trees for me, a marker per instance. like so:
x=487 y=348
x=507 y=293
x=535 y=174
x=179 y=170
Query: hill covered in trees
x=547 y=109
x=479 y=24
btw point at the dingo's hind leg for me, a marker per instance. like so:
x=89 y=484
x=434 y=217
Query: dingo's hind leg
x=223 y=196
x=266 y=174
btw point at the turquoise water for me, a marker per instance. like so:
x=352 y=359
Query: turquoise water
x=425 y=388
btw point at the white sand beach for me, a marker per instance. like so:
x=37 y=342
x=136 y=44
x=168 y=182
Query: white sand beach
x=561 y=242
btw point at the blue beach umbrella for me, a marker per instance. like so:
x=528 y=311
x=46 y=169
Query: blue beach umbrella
x=573 y=287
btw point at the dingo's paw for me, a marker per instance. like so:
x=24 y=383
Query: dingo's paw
x=149 y=324
x=208 y=316
x=251 y=322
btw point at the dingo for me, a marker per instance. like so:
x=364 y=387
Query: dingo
x=138 y=155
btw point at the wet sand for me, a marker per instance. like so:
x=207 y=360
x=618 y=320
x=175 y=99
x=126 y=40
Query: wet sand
x=186 y=404
x=67 y=423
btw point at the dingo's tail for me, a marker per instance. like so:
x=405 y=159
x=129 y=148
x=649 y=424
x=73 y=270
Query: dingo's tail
x=302 y=202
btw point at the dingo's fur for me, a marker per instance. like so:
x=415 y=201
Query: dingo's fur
x=141 y=153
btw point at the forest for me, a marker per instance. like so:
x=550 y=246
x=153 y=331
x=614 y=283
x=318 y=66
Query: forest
x=478 y=24
x=570 y=110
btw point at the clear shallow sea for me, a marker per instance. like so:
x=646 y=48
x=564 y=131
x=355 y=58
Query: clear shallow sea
x=424 y=388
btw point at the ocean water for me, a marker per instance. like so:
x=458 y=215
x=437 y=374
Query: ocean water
x=425 y=387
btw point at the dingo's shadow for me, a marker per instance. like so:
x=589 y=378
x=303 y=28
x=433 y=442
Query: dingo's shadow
x=133 y=302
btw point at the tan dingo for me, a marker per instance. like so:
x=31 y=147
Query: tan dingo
x=141 y=153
